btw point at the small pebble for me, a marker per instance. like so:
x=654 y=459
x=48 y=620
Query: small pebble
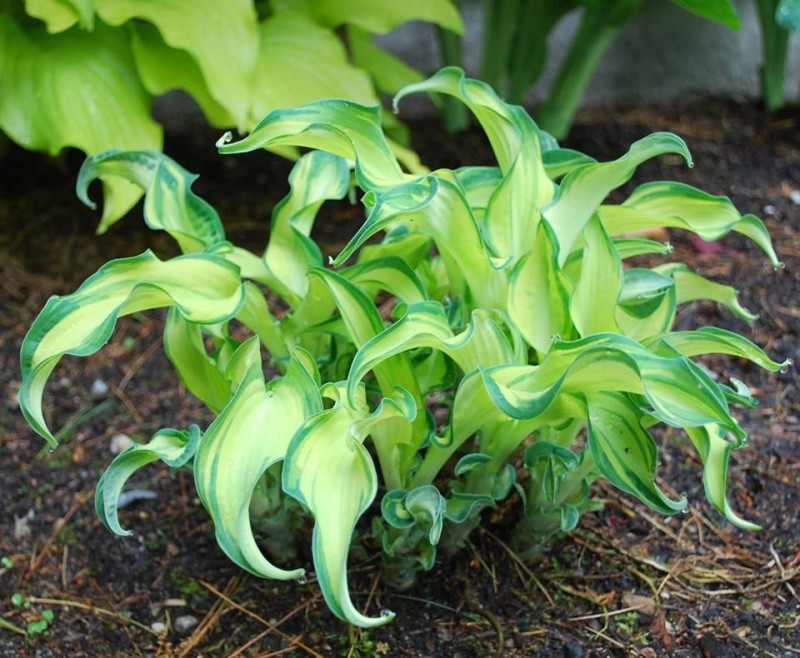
x=99 y=388
x=120 y=442
x=794 y=195
x=184 y=623
x=769 y=210
x=158 y=626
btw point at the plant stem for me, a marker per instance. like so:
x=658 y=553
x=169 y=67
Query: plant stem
x=775 y=41
x=529 y=49
x=500 y=19
x=454 y=112
x=599 y=26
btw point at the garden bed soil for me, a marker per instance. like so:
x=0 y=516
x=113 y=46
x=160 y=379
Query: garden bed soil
x=625 y=582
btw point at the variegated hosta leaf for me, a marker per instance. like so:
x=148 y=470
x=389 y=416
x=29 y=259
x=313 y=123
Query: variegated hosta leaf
x=251 y=434
x=539 y=294
x=593 y=305
x=624 y=451
x=413 y=248
x=647 y=303
x=75 y=89
x=169 y=205
x=329 y=470
x=552 y=463
x=690 y=287
x=560 y=161
x=375 y=15
x=513 y=209
x=340 y=127
x=424 y=507
x=715 y=451
x=175 y=448
x=585 y=187
x=437 y=208
x=396 y=449
x=483 y=484
x=680 y=393
x=389 y=274
x=204 y=288
x=255 y=315
x=425 y=324
x=183 y=344
x=221 y=38
x=711 y=340
x=677 y=205
x=291 y=253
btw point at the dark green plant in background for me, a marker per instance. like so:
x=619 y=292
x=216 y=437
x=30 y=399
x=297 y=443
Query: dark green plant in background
x=778 y=19
x=515 y=48
x=501 y=326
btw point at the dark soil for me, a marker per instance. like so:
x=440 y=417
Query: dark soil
x=626 y=582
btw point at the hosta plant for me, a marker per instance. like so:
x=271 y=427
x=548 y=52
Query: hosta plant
x=498 y=337
x=84 y=73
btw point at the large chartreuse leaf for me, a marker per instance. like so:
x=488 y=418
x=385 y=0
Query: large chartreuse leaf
x=624 y=451
x=715 y=451
x=60 y=15
x=170 y=204
x=204 y=289
x=221 y=37
x=300 y=61
x=375 y=15
x=340 y=127
x=175 y=448
x=163 y=68
x=586 y=187
x=75 y=89
x=329 y=470
x=251 y=434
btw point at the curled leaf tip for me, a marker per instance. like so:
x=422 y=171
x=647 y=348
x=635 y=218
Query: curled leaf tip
x=227 y=138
